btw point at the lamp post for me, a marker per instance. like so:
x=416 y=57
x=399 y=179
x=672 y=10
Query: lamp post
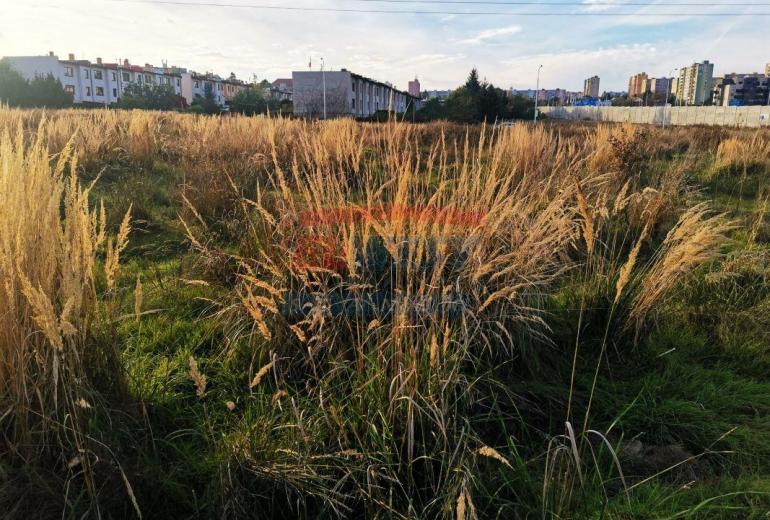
x=323 y=81
x=537 y=90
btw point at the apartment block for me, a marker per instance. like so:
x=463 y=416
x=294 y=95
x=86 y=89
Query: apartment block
x=637 y=85
x=741 y=89
x=659 y=86
x=591 y=87
x=344 y=93
x=282 y=89
x=441 y=95
x=100 y=83
x=694 y=86
x=414 y=88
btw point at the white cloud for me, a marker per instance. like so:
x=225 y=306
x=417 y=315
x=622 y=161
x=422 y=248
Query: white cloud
x=599 y=5
x=491 y=34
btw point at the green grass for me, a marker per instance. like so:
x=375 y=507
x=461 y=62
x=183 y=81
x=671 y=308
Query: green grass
x=699 y=382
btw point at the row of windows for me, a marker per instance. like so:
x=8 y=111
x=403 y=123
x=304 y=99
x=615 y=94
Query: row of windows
x=126 y=76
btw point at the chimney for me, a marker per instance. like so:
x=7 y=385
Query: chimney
x=50 y=53
x=125 y=63
x=71 y=57
x=98 y=61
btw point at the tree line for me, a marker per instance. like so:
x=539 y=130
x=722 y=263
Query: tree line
x=476 y=101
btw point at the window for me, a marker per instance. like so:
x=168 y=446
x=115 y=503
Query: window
x=147 y=78
x=126 y=76
x=178 y=82
x=114 y=76
x=98 y=74
x=197 y=84
x=68 y=71
x=88 y=91
x=100 y=91
x=139 y=78
x=87 y=72
x=69 y=89
x=115 y=92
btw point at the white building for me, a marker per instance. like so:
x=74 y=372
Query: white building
x=344 y=94
x=102 y=83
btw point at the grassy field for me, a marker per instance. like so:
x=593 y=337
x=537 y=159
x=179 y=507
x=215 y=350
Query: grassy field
x=264 y=318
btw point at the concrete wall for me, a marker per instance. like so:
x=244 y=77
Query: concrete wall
x=309 y=93
x=750 y=117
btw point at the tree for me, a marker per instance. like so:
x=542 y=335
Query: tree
x=208 y=103
x=41 y=91
x=472 y=84
x=252 y=100
x=155 y=97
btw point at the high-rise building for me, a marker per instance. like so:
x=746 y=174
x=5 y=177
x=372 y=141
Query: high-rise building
x=661 y=86
x=591 y=87
x=414 y=88
x=741 y=89
x=637 y=85
x=695 y=83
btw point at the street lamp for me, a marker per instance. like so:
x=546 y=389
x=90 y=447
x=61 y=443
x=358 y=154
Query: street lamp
x=323 y=81
x=537 y=90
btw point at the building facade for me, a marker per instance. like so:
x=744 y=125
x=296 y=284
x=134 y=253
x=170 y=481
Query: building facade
x=99 y=83
x=343 y=93
x=441 y=95
x=282 y=89
x=694 y=85
x=591 y=87
x=659 y=86
x=741 y=90
x=637 y=85
x=414 y=88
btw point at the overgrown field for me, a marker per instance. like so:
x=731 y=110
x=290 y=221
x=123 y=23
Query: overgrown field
x=206 y=317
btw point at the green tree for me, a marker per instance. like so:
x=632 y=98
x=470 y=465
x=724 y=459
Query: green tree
x=207 y=103
x=252 y=101
x=42 y=91
x=150 y=97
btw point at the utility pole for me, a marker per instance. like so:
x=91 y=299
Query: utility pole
x=323 y=81
x=537 y=90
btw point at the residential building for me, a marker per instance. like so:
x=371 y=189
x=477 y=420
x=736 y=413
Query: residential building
x=527 y=93
x=695 y=84
x=591 y=87
x=659 y=86
x=741 y=89
x=441 y=95
x=282 y=88
x=414 y=88
x=95 y=83
x=99 y=83
x=637 y=85
x=343 y=93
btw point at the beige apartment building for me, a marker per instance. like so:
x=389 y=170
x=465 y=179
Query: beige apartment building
x=637 y=85
x=591 y=87
x=694 y=85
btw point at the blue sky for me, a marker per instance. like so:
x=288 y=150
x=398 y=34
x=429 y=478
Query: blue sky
x=439 y=49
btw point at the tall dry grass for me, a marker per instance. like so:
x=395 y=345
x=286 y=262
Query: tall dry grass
x=50 y=244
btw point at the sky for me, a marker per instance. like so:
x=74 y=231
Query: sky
x=439 y=49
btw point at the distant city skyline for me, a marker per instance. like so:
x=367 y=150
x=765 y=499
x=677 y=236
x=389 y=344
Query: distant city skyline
x=439 y=49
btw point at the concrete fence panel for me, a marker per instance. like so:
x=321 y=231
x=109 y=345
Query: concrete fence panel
x=747 y=117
